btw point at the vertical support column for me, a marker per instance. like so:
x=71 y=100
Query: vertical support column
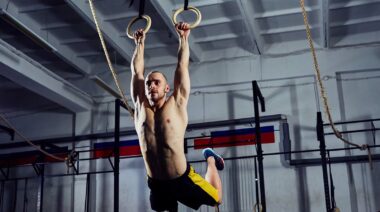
x=373 y=131
x=25 y=203
x=88 y=191
x=257 y=205
x=256 y=97
x=76 y=168
x=185 y=145
x=15 y=196
x=116 y=155
x=322 y=149
x=2 y=195
x=40 y=201
x=40 y=170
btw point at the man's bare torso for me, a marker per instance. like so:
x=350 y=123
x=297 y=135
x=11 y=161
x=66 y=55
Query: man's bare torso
x=161 y=135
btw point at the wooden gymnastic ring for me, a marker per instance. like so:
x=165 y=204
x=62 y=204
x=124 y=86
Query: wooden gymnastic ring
x=195 y=10
x=134 y=20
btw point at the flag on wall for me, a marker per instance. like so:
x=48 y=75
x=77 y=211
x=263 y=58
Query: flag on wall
x=239 y=137
x=127 y=148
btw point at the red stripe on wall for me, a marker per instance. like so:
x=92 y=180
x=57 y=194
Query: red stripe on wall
x=31 y=159
x=124 y=151
x=235 y=140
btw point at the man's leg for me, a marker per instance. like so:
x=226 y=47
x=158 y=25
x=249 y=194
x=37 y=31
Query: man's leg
x=212 y=176
x=214 y=163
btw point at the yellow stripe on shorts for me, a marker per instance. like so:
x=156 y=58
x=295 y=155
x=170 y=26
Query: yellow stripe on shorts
x=201 y=182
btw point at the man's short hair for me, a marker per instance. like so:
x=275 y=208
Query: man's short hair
x=153 y=72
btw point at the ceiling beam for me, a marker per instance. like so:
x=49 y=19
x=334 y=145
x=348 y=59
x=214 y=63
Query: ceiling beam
x=204 y=3
x=220 y=20
x=219 y=37
x=53 y=26
x=7 y=36
x=110 y=33
x=122 y=16
x=290 y=11
x=29 y=26
x=356 y=21
x=78 y=40
x=247 y=11
x=24 y=71
x=29 y=50
x=285 y=29
x=165 y=9
x=34 y=8
x=89 y=54
x=344 y=4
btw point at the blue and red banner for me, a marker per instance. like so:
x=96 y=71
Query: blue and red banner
x=239 y=137
x=127 y=148
x=226 y=138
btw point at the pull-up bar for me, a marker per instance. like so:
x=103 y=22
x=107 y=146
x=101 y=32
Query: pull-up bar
x=257 y=96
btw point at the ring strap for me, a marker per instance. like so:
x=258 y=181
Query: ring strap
x=140 y=16
x=185 y=6
x=141 y=8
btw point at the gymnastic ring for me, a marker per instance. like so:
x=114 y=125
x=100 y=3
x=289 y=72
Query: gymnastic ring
x=195 y=10
x=336 y=209
x=134 y=20
x=258 y=208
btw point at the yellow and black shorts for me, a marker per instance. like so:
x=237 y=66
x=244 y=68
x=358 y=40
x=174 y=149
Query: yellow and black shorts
x=190 y=189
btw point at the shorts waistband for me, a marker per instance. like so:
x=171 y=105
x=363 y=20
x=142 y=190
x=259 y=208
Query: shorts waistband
x=188 y=168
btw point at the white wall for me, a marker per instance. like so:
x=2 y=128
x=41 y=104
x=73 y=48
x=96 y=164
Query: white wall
x=221 y=90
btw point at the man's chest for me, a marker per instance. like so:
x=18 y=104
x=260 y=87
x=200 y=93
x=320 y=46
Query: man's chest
x=165 y=118
x=168 y=116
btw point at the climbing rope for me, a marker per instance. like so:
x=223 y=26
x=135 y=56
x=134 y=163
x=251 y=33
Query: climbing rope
x=29 y=142
x=114 y=74
x=322 y=88
x=70 y=160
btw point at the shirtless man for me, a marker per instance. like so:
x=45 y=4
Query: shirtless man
x=161 y=122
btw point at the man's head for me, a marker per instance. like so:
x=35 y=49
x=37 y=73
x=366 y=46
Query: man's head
x=156 y=87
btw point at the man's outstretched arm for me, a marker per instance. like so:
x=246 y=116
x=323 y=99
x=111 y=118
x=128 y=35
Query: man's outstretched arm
x=181 y=76
x=137 y=68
